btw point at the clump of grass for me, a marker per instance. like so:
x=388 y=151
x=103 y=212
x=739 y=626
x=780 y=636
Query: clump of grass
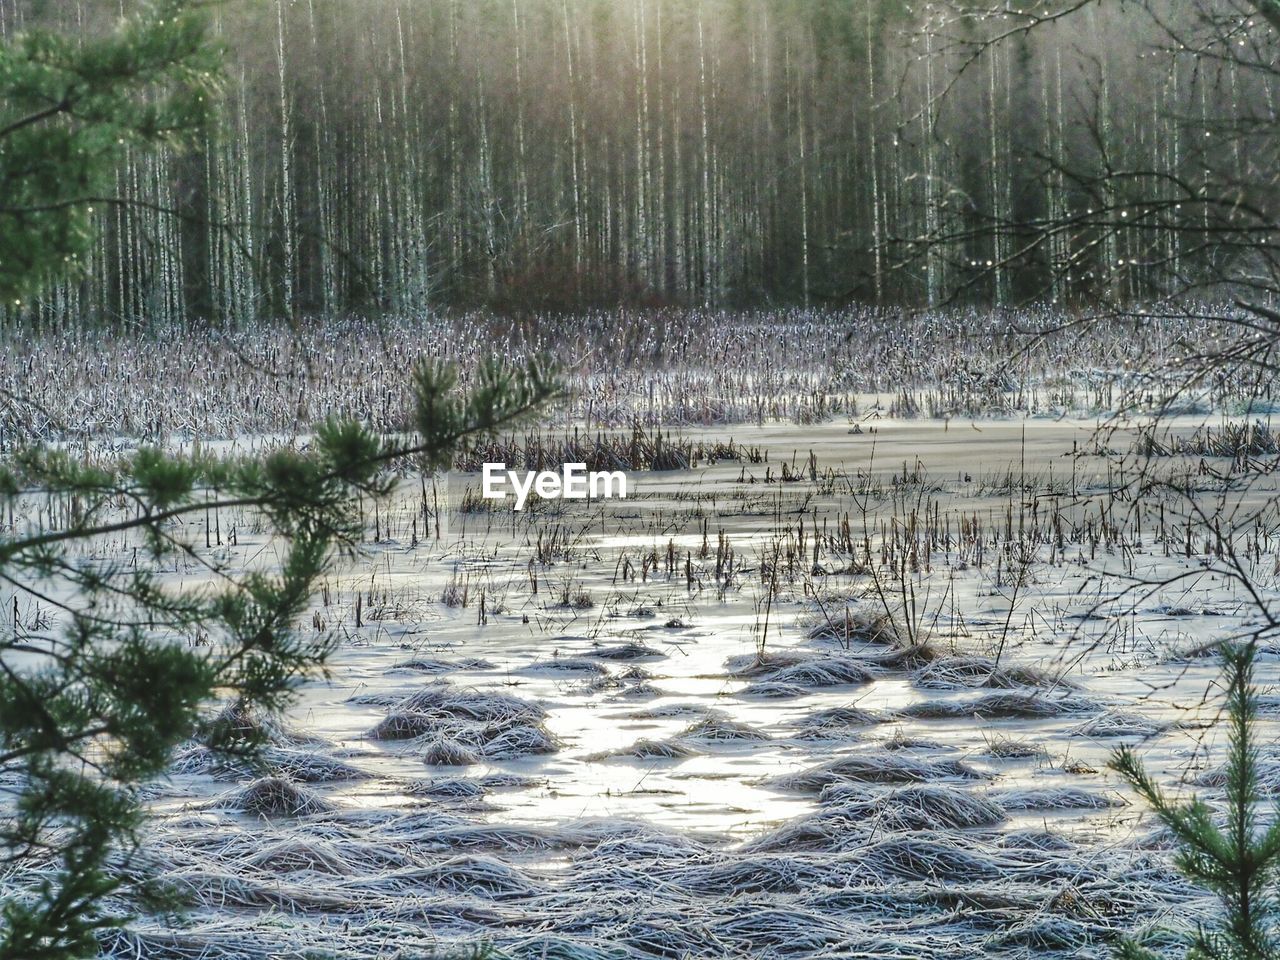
x=773 y=690
x=300 y=855
x=238 y=725
x=432 y=665
x=447 y=788
x=198 y=759
x=275 y=797
x=877 y=767
x=827 y=830
x=308 y=766
x=511 y=781
x=834 y=723
x=1051 y=933
x=467 y=723
x=991 y=901
x=849 y=626
x=765 y=930
x=946 y=673
x=448 y=753
x=753 y=666
x=645 y=749
x=825 y=672
x=847 y=716
x=404 y=725
x=1056 y=798
x=1267 y=774
x=444 y=698
x=938 y=858
x=513 y=742
x=437 y=834
x=1004 y=747
x=576 y=597
x=901 y=740
x=923 y=807
x=637 y=691
x=1014 y=705
x=560 y=665
x=478 y=876
x=907 y=656
x=718 y=728
x=751 y=872
x=456 y=593
x=1119 y=723
x=628 y=651
x=1044 y=840
x=241 y=889
x=669 y=711
x=654 y=846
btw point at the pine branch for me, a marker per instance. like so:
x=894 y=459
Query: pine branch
x=1233 y=861
x=83 y=729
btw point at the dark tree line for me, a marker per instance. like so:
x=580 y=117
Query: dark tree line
x=394 y=155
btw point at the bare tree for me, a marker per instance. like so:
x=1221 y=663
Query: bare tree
x=1142 y=223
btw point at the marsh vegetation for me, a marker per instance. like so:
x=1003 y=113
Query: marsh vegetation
x=842 y=673
x=936 y=344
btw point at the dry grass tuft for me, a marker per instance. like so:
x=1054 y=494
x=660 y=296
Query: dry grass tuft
x=753 y=666
x=238 y=723
x=432 y=665
x=1056 y=798
x=448 y=753
x=459 y=724
x=923 y=807
x=719 y=728
x=646 y=749
x=772 y=690
x=848 y=627
x=1013 y=705
x=562 y=665
x=877 y=767
x=1015 y=748
x=627 y=652
x=1119 y=723
x=825 y=672
x=274 y=797
x=841 y=717
x=949 y=673
x=444 y=698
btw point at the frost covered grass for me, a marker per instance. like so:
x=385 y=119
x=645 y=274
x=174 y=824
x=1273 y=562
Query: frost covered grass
x=827 y=699
x=1015 y=705
x=661 y=368
x=878 y=767
x=457 y=727
x=914 y=867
